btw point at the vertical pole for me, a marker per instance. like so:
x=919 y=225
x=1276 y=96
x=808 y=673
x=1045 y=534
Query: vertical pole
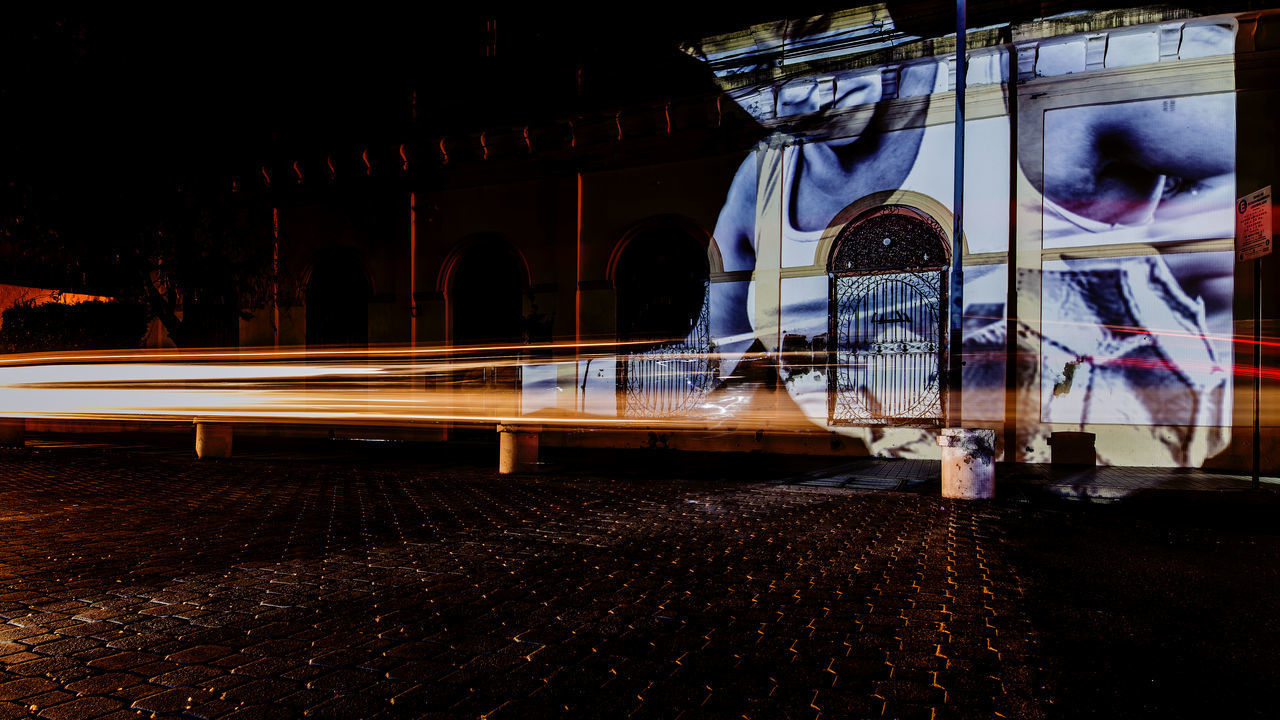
x=1011 y=279
x=577 y=269
x=577 y=295
x=956 y=284
x=413 y=270
x=275 y=277
x=1257 y=373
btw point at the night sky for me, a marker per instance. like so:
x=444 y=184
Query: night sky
x=147 y=95
x=110 y=113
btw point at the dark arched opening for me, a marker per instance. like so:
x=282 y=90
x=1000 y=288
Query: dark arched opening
x=338 y=300
x=486 y=282
x=487 y=285
x=888 y=276
x=661 y=282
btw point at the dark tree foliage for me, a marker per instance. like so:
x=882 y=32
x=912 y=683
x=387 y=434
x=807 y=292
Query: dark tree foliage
x=31 y=327
x=201 y=266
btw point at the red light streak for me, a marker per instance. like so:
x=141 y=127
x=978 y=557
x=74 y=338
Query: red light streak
x=1158 y=332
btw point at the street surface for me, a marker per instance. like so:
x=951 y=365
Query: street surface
x=379 y=585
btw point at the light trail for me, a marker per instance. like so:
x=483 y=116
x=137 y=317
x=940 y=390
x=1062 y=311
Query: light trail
x=402 y=385
x=408 y=385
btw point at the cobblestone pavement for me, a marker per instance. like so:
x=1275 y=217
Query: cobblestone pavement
x=157 y=586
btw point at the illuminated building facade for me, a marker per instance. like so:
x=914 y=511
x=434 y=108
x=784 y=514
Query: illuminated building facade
x=785 y=240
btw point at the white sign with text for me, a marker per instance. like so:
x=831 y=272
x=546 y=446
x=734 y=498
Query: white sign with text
x=1253 y=225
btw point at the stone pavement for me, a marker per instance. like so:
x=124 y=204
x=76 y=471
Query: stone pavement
x=1115 y=483
x=1107 y=483
x=135 y=584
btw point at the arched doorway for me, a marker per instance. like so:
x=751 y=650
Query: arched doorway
x=338 y=299
x=486 y=288
x=661 y=281
x=485 y=283
x=888 y=276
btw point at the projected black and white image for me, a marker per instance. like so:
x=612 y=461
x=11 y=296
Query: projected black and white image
x=1135 y=203
x=1148 y=171
x=856 y=314
x=1136 y=317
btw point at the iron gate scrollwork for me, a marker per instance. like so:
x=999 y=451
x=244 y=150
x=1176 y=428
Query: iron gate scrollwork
x=672 y=378
x=888 y=279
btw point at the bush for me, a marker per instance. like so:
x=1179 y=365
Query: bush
x=28 y=327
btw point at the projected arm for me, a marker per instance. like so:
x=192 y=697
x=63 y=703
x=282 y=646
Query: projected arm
x=731 y=326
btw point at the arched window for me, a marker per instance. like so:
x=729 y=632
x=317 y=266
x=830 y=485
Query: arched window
x=338 y=299
x=888 y=276
x=661 y=282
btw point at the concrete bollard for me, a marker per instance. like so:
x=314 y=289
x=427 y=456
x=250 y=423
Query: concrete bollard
x=213 y=439
x=517 y=448
x=968 y=463
x=13 y=432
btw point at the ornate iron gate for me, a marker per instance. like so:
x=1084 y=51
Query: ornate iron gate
x=672 y=378
x=888 y=279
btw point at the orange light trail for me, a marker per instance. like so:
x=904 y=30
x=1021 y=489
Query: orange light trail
x=406 y=385
x=376 y=386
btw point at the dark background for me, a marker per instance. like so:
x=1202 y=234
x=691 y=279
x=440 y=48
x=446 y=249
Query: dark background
x=111 y=115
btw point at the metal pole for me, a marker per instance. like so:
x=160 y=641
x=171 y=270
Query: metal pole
x=275 y=277
x=1257 y=373
x=956 y=284
x=1011 y=280
x=413 y=271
